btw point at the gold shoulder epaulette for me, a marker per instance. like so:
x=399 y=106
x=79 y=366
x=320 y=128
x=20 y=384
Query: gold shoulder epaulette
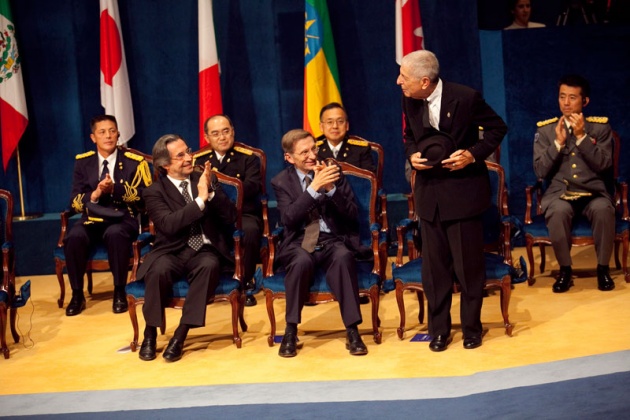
x=134 y=156
x=356 y=142
x=547 y=122
x=480 y=128
x=319 y=143
x=243 y=150
x=86 y=154
x=598 y=120
x=205 y=152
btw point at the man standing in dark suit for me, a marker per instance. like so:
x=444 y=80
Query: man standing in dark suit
x=319 y=215
x=193 y=219
x=450 y=195
x=242 y=164
x=335 y=143
x=107 y=187
x=575 y=154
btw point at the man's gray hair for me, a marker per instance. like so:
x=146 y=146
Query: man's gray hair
x=422 y=63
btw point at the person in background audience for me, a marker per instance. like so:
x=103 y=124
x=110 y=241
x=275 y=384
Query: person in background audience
x=193 y=220
x=522 y=10
x=335 y=143
x=575 y=154
x=452 y=189
x=239 y=163
x=107 y=187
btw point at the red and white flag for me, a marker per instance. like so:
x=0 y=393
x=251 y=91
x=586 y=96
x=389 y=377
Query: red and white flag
x=13 y=112
x=409 y=35
x=209 y=83
x=115 y=91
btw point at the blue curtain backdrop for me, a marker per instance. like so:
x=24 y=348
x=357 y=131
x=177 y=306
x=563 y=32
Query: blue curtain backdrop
x=260 y=47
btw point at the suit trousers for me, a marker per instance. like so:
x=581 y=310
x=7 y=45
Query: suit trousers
x=252 y=229
x=453 y=250
x=341 y=276
x=200 y=268
x=600 y=213
x=81 y=239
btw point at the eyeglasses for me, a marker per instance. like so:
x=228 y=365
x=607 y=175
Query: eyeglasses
x=182 y=155
x=216 y=134
x=339 y=122
x=303 y=154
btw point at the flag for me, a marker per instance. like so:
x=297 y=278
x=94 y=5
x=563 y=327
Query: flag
x=115 y=91
x=409 y=35
x=321 y=78
x=13 y=112
x=209 y=82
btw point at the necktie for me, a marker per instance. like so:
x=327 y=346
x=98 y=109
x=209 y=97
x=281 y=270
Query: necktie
x=105 y=171
x=195 y=240
x=311 y=233
x=426 y=121
x=335 y=153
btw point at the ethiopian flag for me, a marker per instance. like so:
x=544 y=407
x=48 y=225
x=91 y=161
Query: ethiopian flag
x=321 y=78
x=13 y=113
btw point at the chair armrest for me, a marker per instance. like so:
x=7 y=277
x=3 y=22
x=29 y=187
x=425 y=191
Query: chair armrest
x=264 y=201
x=143 y=240
x=7 y=265
x=273 y=240
x=64 y=216
x=383 y=204
x=622 y=188
x=401 y=231
x=238 y=255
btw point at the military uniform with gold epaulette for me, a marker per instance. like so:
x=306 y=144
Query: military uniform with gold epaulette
x=131 y=175
x=242 y=164
x=580 y=178
x=353 y=151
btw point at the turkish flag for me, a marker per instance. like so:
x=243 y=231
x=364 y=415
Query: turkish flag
x=115 y=90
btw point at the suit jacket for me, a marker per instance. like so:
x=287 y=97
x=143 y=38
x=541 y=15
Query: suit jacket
x=340 y=212
x=463 y=193
x=239 y=164
x=584 y=168
x=131 y=175
x=172 y=217
x=354 y=152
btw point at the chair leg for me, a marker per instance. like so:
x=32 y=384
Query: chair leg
x=131 y=301
x=90 y=283
x=624 y=256
x=421 y=306
x=14 y=333
x=506 y=293
x=374 y=297
x=235 y=300
x=272 y=316
x=241 y=313
x=543 y=257
x=62 y=285
x=3 y=330
x=530 y=257
x=401 y=308
x=617 y=261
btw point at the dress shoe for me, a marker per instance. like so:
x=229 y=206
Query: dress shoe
x=147 y=349
x=76 y=305
x=174 y=350
x=120 y=301
x=354 y=343
x=604 y=281
x=440 y=343
x=250 y=301
x=364 y=300
x=288 y=347
x=564 y=281
x=472 y=342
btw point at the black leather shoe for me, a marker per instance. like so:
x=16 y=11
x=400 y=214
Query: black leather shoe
x=472 y=342
x=440 y=342
x=354 y=343
x=250 y=301
x=364 y=300
x=174 y=350
x=605 y=283
x=76 y=305
x=147 y=349
x=120 y=301
x=288 y=347
x=564 y=281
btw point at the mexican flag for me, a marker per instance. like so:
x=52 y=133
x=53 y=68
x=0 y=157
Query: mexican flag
x=13 y=113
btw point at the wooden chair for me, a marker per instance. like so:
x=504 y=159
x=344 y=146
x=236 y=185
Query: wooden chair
x=98 y=260
x=500 y=272
x=229 y=288
x=7 y=289
x=364 y=186
x=536 y=232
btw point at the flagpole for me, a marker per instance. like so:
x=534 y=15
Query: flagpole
x=19 y=168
